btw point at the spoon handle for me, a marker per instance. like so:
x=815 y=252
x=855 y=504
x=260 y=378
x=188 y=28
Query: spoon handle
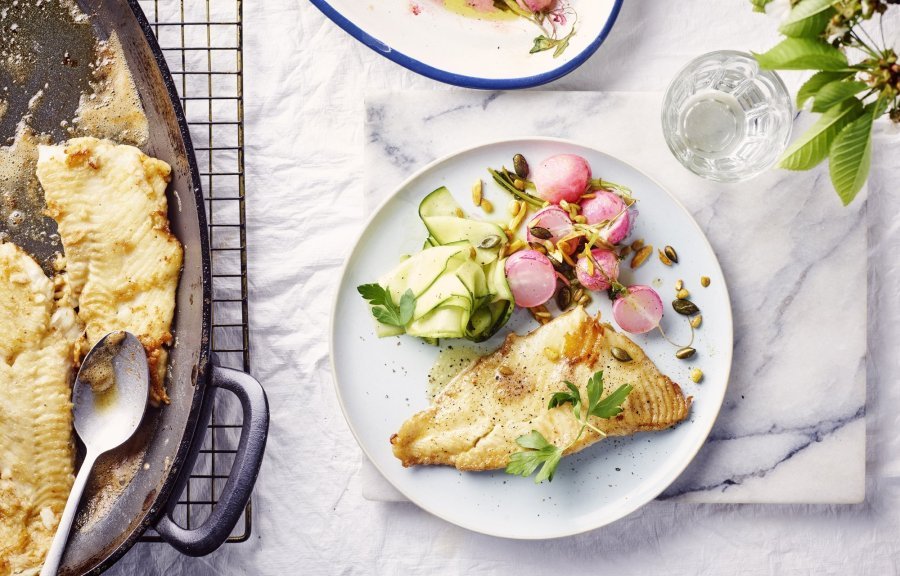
x=54 y=555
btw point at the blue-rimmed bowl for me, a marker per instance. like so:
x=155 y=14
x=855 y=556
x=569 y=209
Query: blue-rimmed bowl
x=473 y=53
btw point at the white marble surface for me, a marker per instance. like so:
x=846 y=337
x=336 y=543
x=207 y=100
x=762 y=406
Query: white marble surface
x=796 y=399
x=305 y=87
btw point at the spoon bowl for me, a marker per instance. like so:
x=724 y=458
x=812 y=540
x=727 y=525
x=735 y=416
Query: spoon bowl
x=111 y=390
x=109 y=400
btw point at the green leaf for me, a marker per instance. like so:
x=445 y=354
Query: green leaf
x=802 y=54
x=760 y=5
x=383 y=308
x=386 y=316
x=551 y=461
x=374 y=293
x=534 y=440
x=851 y=155
x=542 y=43
x=812 y=147
x=539 y=453
x=816 y=82
x=836 y=92
x=808 y=19
x=407 y=307
x=594 y=390
x=611 y=406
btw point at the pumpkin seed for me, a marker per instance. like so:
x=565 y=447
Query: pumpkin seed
x=641 y=255
x=564 y=297
x=671 y=254
x=637 y=244
x=539 y=247
x=620 y=354
x=505 y=370
x=551 y=354
x=685 y=353
x=682 y=294
x=489 y=242
x=696 y=321
x=519 y=184
x=487 y=205
x=585 y=300
x=664 y=259
x=696 y=375
x=685 y=307
x=477 y=189
x=559 y=265
x=580 y=219
x=704 y=281
x=513 y=207
x=624 y=252
x=679 y=285
x=542 y=233
x=460 y=213
x=521 y=166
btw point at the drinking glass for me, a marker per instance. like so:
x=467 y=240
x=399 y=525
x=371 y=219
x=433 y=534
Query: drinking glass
x=724 y=118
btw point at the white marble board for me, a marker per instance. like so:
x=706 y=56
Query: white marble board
x=792 y=427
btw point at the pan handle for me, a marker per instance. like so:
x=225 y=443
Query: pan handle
x=215 y=530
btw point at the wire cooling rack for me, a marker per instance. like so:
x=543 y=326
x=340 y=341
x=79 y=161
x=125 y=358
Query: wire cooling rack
x=202 y=43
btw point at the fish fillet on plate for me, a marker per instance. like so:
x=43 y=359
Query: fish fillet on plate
x=475 y=420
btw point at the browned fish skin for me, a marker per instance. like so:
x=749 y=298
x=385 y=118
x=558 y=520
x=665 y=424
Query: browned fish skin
x=474 y=421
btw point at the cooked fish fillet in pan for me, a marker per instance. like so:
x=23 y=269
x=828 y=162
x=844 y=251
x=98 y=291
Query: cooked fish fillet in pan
x=475 y=420
x=36 y=450
x=121 y=262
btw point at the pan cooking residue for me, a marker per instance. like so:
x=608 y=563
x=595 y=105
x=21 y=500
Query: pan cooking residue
x=58 y=81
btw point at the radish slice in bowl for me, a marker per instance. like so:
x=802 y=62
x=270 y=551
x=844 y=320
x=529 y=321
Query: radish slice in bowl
x=553 y=219
x=639 y=310
x=531 y=278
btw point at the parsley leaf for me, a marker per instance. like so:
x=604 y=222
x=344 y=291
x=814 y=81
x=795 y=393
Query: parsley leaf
x=383 y=308
x=560 y=398
x=611 y=406
x=539 y=453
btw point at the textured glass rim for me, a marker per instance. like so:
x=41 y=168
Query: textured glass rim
x=723 y=176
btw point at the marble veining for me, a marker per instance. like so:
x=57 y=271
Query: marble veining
x=792 y=424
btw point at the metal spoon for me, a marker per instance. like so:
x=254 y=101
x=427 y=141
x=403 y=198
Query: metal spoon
x=109 y=398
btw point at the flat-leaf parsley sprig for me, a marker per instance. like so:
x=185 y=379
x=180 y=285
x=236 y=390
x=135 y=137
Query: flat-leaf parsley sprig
x=383 y=307
x=539 y=453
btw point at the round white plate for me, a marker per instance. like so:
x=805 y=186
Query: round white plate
x=382 y=382
x=428 y=39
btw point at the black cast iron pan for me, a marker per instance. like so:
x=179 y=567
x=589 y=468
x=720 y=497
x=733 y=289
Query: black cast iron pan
x=112 y=518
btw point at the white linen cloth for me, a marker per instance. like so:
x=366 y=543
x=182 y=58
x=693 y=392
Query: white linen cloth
x=304 y=87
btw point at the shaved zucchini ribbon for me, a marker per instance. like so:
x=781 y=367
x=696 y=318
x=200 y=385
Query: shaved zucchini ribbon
x=458 y=278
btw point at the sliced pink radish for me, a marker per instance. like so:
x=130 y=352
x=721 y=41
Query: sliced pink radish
x=552 y=218
x=639 y=310
x=605 y=268
x=561 y=177
x=606 y=206
x=531 y=278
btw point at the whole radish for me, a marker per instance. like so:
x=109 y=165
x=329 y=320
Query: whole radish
x=607 y=206
x=638 y=310
x=531 y=278
x=605 y=270
x=553 y=219
x=562 y=177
